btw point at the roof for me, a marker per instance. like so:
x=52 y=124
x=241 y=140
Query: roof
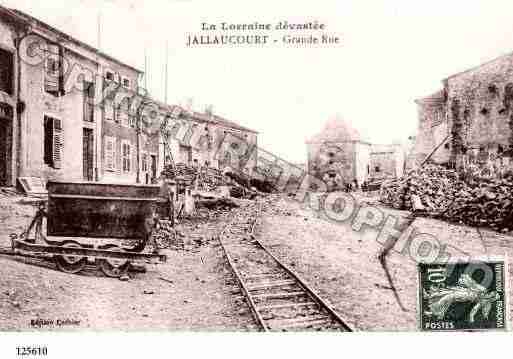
x=11 y=16
x=386 y=148
x=220 y=121
x=434 y=98
x=478 y=66
x=204 y=117
x=337 y=130
x=70 y=38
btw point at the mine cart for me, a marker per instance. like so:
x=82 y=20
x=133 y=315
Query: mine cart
x=106 y=225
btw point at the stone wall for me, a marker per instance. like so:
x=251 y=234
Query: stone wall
x=9 y=131
x=386 y=161
x=480 y=110
x=432 y=131
x=336 y=163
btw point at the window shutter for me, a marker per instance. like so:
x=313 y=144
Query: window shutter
x=109 y=110
x=57 y=143
x=60 y=78
x=114 y=154
x=52 y=70
x=51 y=80
x=88 y=101
x=110 y=153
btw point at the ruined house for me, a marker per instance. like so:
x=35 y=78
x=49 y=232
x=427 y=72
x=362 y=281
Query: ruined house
x=338 y=155
x=386 y=162
x=470 y=120
x=206 y=139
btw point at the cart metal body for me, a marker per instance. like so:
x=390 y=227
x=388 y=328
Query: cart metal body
x=79 y=211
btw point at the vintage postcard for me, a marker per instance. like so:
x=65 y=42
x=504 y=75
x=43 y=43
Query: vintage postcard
x=275 y=166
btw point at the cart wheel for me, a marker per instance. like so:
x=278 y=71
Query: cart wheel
x=70 y=264
x=113 y=267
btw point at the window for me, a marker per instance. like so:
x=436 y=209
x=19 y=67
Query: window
x=125 y=150
x=377 y=169
x=126 y=82
x=53 y=71
x=6 y=72
x=131 y=121
x=109 y=76
x=109 y=110
x=88 y=101
x=110 y=153
x=144 y=162
x=122 y=114
x=53 y=146
x=447 y=145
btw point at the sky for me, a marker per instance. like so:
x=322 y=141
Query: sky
x=392 y=52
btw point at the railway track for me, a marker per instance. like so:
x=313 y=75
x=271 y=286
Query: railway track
x=278 y=298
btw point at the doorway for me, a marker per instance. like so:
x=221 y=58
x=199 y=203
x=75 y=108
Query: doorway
x=5 y=144
x=88 y=154
x=153 y=168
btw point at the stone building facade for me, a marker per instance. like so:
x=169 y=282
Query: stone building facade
x=71 y=112
x=386 y=161
x=338 y=155
x=206 y=139
x=474 y=110
x=432 y=131
x=59 y=129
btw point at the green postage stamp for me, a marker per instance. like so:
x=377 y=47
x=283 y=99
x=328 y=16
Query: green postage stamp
x=463 y=295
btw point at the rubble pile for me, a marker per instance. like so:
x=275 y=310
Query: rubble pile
x=433 y=184
x=208 y=178
x=247 y=182
x=168 y=237
x=454 y=197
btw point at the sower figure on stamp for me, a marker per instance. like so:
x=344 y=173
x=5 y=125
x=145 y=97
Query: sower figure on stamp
x=467 y=290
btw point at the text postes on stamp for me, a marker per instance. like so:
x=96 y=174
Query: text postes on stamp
x=462 y=296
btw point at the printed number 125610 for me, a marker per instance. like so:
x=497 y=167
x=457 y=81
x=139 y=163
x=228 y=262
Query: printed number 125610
x=31 y=351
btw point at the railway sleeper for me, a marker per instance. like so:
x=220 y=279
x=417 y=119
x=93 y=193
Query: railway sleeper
x=269 y=285
x=273 y=275
x=299 y=323
x=295 y=313
x=286 y=306
x=279 y=295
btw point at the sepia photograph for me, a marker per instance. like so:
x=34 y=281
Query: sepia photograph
x=184 y=166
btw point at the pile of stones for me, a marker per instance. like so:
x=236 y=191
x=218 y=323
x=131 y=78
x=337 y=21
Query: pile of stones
x=454 y=197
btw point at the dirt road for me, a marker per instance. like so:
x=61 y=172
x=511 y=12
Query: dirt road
x=342 y=265
x=194 y=290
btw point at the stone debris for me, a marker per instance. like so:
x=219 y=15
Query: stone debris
x=208 y=178
x=454 y=197
x=168 y=237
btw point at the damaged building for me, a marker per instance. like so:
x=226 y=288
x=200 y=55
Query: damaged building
x=386 y=161
x=209 y=140
x=469 y=122
x=339 y=156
